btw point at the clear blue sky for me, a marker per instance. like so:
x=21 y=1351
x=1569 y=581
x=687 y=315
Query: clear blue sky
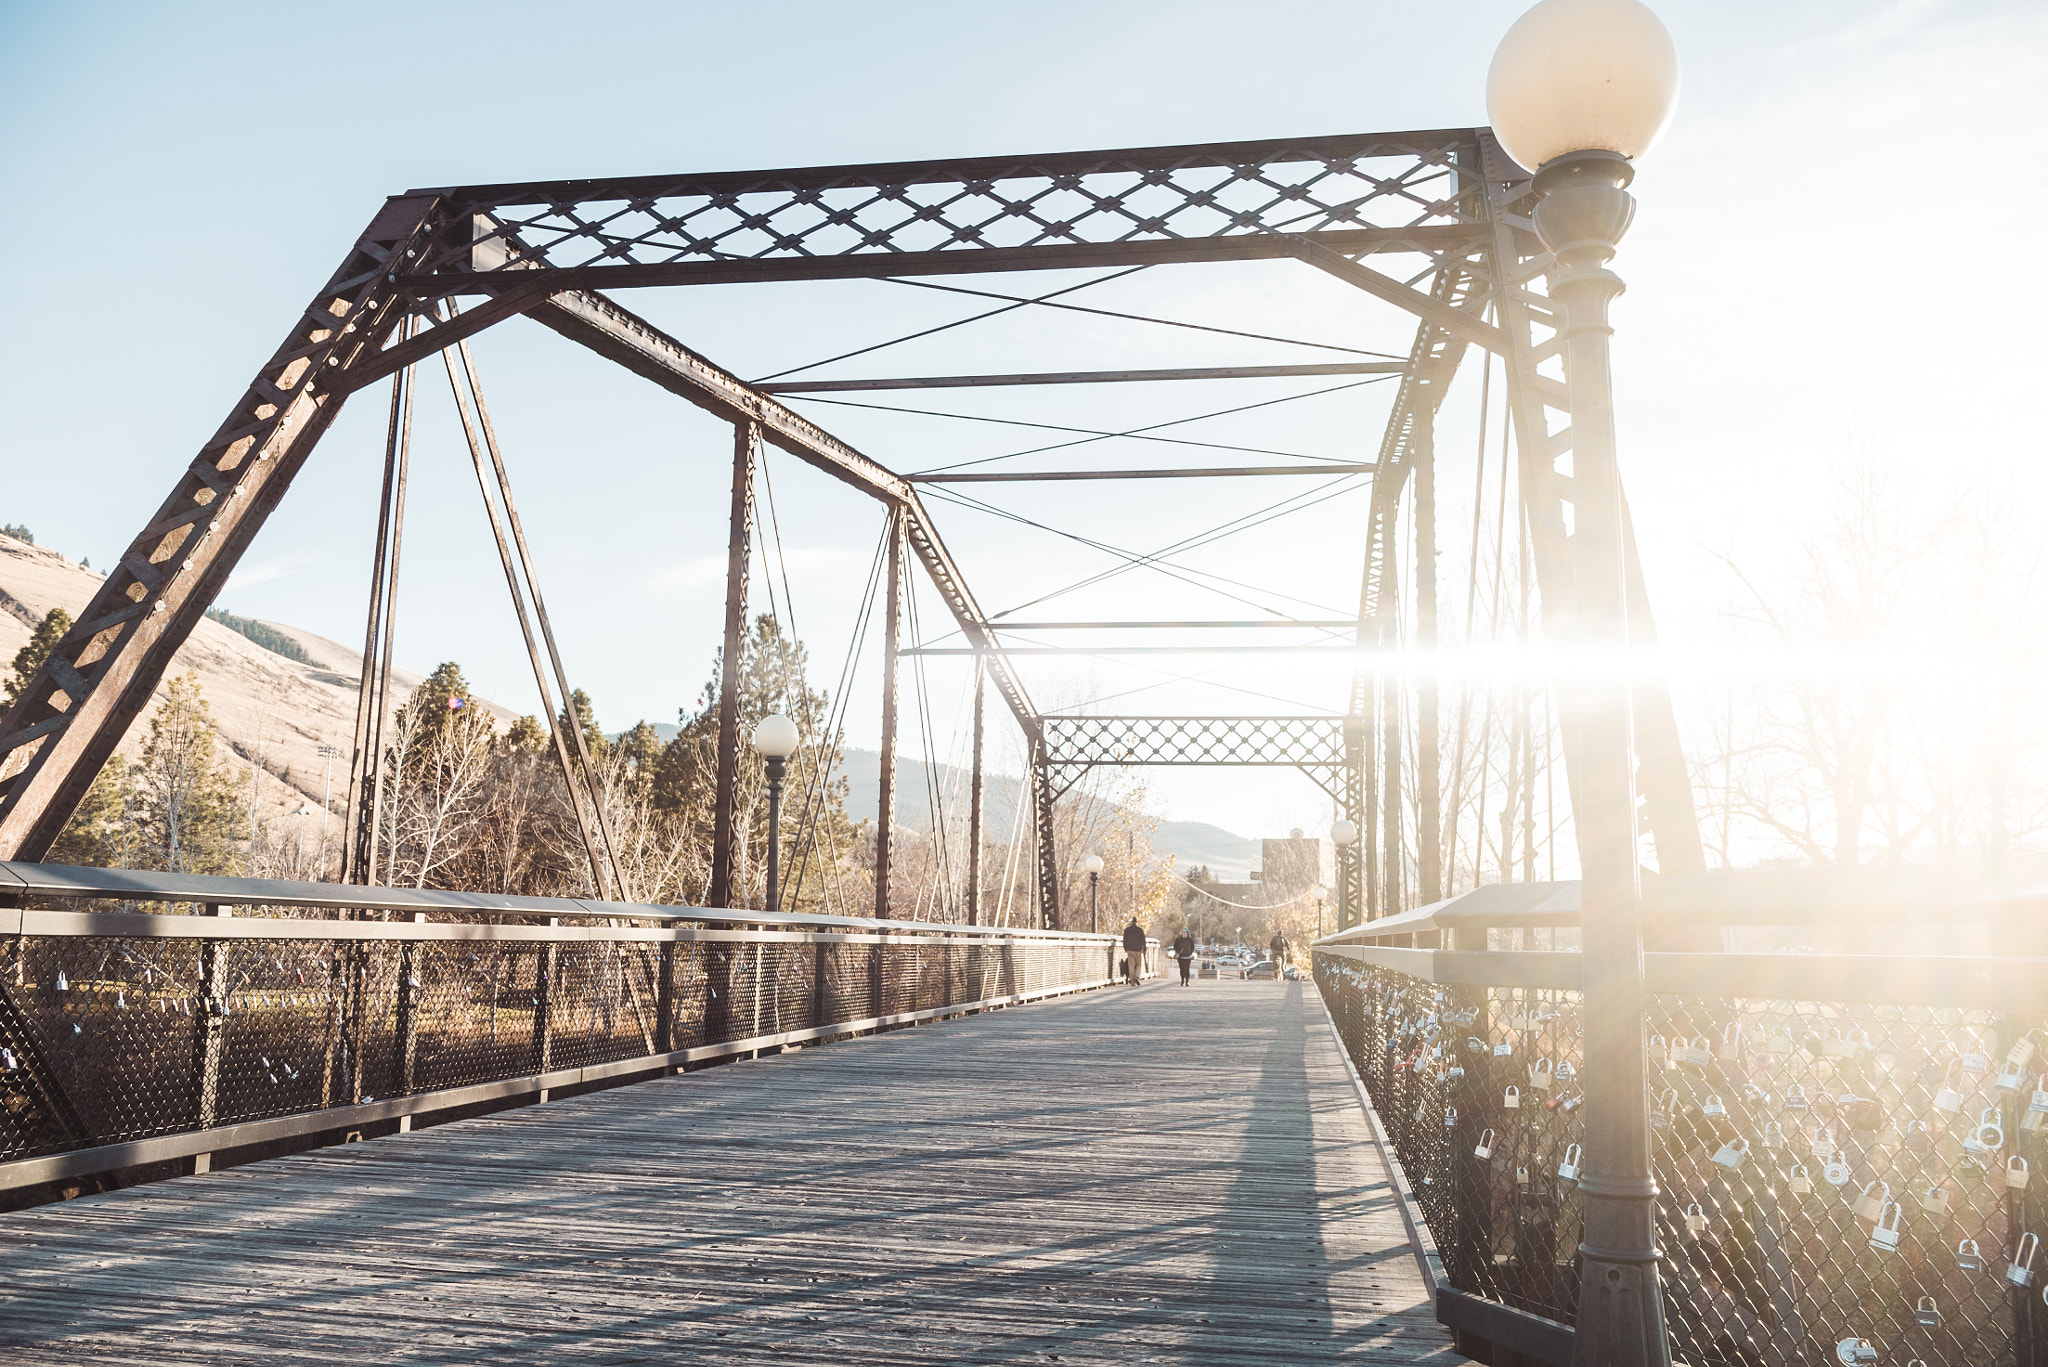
x=1831 y=262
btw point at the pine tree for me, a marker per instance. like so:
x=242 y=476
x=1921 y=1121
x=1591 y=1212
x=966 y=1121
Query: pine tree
x=30 y=657
x=188 y=807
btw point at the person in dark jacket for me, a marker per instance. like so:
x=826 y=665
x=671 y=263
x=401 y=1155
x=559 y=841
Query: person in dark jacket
x=1184 y=950
x=1277 y=950
x=1134 y=952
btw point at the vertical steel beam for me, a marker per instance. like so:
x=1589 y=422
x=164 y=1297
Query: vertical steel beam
x=1428 y=768
x=974 y=801
x=885 y=805
x=1042 y=809
x=364 y=805
x=725 y=882
x=1351 y=880
x=1393 y=883
x=1369 y=780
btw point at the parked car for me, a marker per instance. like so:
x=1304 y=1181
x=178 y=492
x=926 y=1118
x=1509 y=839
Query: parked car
x=1264 y=968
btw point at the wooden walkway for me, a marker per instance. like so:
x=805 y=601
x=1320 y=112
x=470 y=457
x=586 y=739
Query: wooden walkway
x=1140 y=1175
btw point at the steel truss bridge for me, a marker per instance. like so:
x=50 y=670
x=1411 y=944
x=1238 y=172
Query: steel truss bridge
x=1433 y=223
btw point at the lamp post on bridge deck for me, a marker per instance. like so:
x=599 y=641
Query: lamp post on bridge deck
x=775 y=740
x=1578 y=88
x=1092 y=866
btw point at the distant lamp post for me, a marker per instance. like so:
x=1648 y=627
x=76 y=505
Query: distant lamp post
x=1322 y=896
x=775 y=740
x=1343 y=834
x=1092 y=866
x=1578 y=88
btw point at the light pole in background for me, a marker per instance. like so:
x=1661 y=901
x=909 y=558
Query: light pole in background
x=1343 y=834
x=1092 y=866
x=328 y=753
x=1578 y=88
x=1322 y=896
x=775 y=740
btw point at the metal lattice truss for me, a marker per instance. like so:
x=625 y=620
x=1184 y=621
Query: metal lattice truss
x=1433 y=222
x=1074 y=745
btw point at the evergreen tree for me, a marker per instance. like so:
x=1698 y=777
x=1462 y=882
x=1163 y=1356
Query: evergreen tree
x=30 y=657
x=187 y=806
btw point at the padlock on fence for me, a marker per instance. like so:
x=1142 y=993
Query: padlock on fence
x=2016 y=1173
x=1927 y=1314
x=2036 y=1118
x=1450 y=1117
x=1542 y=1074
x=1934 y=1200
x=1799 y=1180
x=1484 y=1149
x=1712 y=1107
x=1837 y=1046
x=1503 y=1049
x=1733 y=1154
x=1988 y=1137
x=1699 y=1053
x=1836 y=1173
x=1948 y=1097
x=1885 y=1237
x=1569 y=1168
x=1968 y=1257
x=1855 y=1352
x=1664 y=1110
x=1975 y=1062
x=1731 y=1041
x=1778 y=1043
x=1695 y=1220
x=1823 y=1142
x=1774 y=1135
x=2021 y=1053
x=1795 y=1098
x=1521 y=1177
x=1870 y=1205
x=2021 y=1272
x=2009 y=1077
x=1660 y=1051
x=1512 y=1099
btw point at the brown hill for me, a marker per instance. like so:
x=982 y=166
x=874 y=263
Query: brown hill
x=271 y=712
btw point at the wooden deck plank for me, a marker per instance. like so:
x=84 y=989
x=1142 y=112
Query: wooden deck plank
x=1149 y=1175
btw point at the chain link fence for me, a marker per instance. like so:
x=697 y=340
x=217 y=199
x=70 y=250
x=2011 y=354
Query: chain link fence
x=119 y=1028
x=1838 y=1180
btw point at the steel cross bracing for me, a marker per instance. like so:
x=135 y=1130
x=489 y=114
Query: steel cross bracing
x=540 y=247
x=1074 y=745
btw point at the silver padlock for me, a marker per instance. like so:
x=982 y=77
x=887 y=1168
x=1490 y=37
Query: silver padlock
x=1712 y=1107
x=2009 y=1078
x=1799 y=1180
x=1988 y=1137
x=1512 y=1099
x=2021 y=1053
x=1975 y=1064
x=1855 y=1352
x=2016 y=1173
x=1795 y=1098
x=1542 y=1074
x=1733 y=1154
x=1927 y=1313
x=1731 y=1041
x=1695 y=1220
x=1778 y=1043
x=1774 y=1135
x=1503 y=1050
x=1664 y=1110
x=1450 y=1117
x=1948 y=1097
x=2036 y=1117
x=1569 y=1168
x=1836 y=1173
x=2021 y=1273
x=1484 y=1149
x=1837 y=1046
x=1660 y=1051
x=1870 y=1205
x=1521 y=1177
x=1699 y=1053
x=1885 y=1237
x=1968 y=1258
x=1934 y=1200
x=1823 y=1142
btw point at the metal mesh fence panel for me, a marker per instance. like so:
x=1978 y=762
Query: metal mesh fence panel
x=107 y=1039
x=1830 y=1174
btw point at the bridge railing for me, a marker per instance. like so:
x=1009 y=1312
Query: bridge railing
x=150 y=1019
x=1849 y=1146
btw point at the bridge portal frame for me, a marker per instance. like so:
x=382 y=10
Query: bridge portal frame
x=542 y=249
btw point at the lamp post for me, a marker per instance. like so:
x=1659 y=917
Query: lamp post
x=1343 y=834
x=1578 y=88
x=1092 y=866
x=1322 y=896
x=775 y=740
x=330 y=754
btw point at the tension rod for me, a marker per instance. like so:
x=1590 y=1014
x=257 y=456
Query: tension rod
x=512 y=577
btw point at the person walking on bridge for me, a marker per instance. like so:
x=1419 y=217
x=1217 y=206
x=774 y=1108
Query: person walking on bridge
x=1134 y=952
x=1184 y=950
x=1277 y=951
